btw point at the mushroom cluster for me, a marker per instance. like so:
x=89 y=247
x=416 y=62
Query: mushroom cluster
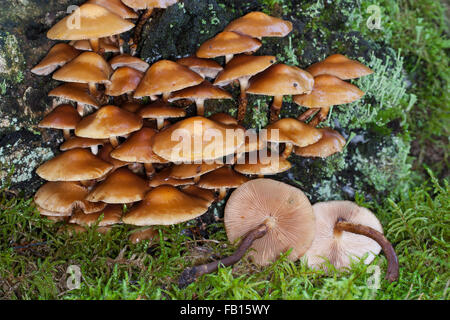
x=146 y=164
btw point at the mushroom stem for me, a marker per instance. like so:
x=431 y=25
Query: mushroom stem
x=159 y=123
x=228 y=57
x=242 y=109
x=165 y=96
x=149 y=170
x=320 y=116
x=66 y=133
x=94 y=149
x=93 y=89
x=222 y=193
x=287 y=150
x=197 y=179
x=139 y=25
x=200 y=107
x=95 y=45
x=189 y=275
x=276 y=108
x=392 y=269
x=114 y=142
x=308 y=113
x=80 y=109
x=136 y=167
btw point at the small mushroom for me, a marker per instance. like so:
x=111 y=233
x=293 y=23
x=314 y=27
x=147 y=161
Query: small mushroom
x=207 y=68
x=192 y=170
x=166 y=205
x=112 y=214
x=270 y=217
x=124 y=81
x=160 y=111
x=222 y=179
x=330 y=143
x=200 y=93
x=105 y=155
x=89 y=17
x=125 y=60
x=165 y=77
x=105 y=45
x=73 y=165
x=108 y=122
x=58 y=56
x=292 y=132
x=339 y=66
x=242 y=68
x=261 y=165
x=344 y=231
x=88 y=67
x=137 y=149
x=327 y=91
x=258 y=24
x=77 y=92
x=140 y=235
x=117 y=7
x=77 y=142
x=63 y=117
x=164 y=178
x=121 y=186
x=228 y=44
x=280 y=80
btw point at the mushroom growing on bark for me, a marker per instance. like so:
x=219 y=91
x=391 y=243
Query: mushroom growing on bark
x=242 y=68
x=63 y=117
x=94 y=22
x=258 y=24
x=344 y=231
x=165 y=77
x=330 y=143
x=228 y=44
x=268 y=222
x=280 y=80
x=109 y=122
x=59 y=55
x=327 y=91
x=200 y=93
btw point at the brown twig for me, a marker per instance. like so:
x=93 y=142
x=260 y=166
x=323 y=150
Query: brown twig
x=139 y=25
x=392 y=269
x=189 y=275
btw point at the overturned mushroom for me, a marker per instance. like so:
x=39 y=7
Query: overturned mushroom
x=271 y=216
x=345 y=230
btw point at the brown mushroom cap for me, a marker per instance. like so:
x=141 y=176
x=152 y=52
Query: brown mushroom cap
x=77 y=92
x=88 y=67
x=258 y=24
x=133 y=107
x=126 y=60
x=145 y=234
x=224 y=177
x=224 y=118
x=339 y=66
x=243 y=66
x=330 y=143
x=59 y=55
x=202 y=193
x=253 y=142
x=77 y=142
x=203 y=91
x=123 y=80
x=227 y=43
x=121 y=186
x=207 y=68
x=164 y=178
x=290 y=130
x=284 y=209
x=53 y=216
x=73 y=165
x=166 y=76
x=328 y=91
x=90 y=16
x=340 y=247
x=262 y=166
x=63 y=116
x=281 y=79
x=111 y=215
x=108 y=121
x=117 y=7
x=61 y=198
x=148 y=4
x=196 y=139
x=105 y=155
x=137 y=148
x=166 y=205
x=161 y=110
x=104 y=43
x=192 y=170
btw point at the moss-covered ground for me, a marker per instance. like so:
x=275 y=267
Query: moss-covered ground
x=396 y=163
